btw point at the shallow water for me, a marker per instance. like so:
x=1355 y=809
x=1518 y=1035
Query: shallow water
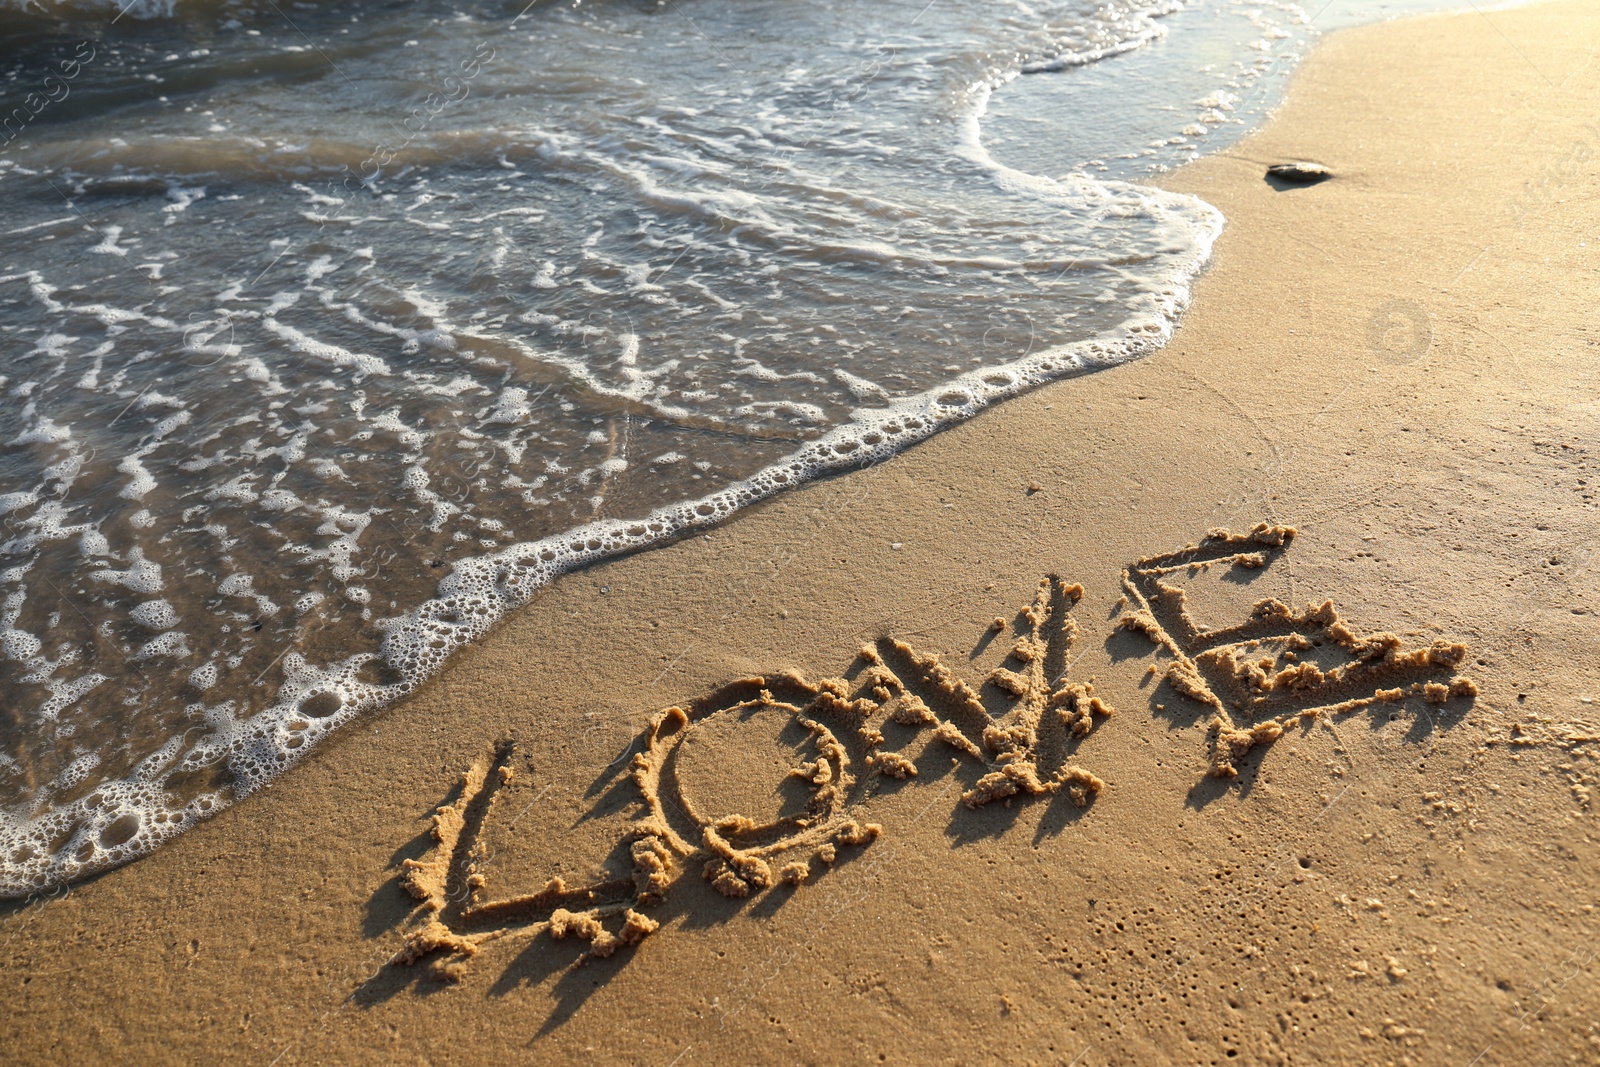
x=330 y=333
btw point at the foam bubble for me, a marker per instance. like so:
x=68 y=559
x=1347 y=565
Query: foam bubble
x=154 y=615
x=142 y=576
x=19 y=645
x=173 y=643
x=203 y=677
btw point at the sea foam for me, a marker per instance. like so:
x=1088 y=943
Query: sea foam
x=284 y=430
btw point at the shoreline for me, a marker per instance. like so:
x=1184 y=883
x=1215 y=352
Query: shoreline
x=107 y=821
x=484 y=588
x=1371 y=360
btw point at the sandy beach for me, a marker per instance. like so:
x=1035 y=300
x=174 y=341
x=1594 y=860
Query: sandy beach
x=1398 y=363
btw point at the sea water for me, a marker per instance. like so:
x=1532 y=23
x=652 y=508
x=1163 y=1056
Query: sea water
x=329 y=332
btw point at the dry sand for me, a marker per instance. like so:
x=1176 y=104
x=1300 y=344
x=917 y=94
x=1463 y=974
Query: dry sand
x=1400 y=363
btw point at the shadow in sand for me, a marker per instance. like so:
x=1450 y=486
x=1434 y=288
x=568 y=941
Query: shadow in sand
x=614 y=773
x=14 y=909
x=542 y=959
x=991 y=822
x=1243 y=575
x=1124 y=645
x=390 y=982
x=984 y=642
x=1427 y=723
x=390 y=904
x=574 y=988
x=1179 y=712
x=1061 y=813
x=1210 y=789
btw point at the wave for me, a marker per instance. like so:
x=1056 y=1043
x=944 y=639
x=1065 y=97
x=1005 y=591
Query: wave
x=267 y=403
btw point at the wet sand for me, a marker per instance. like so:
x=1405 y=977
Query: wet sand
x=1399 y=363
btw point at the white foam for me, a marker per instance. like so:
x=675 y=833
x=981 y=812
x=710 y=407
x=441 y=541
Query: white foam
x=142 y=576
x=154 y=615
x=173 y=643
x=19 y=645
x=203 y=677
x=64 y=693
x=140 y=481
x=340 y=357
x=126 y=817
x=10 y=502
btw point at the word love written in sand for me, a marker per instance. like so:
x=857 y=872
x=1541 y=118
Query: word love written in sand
x=903 y=712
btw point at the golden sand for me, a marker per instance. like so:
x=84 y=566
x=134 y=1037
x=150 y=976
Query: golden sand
x=1396 y=865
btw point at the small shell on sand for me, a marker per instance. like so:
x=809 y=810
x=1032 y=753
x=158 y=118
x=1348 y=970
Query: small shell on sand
x=1300 y=173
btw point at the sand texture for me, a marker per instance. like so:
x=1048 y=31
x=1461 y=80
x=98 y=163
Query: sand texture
x=1231 y=706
